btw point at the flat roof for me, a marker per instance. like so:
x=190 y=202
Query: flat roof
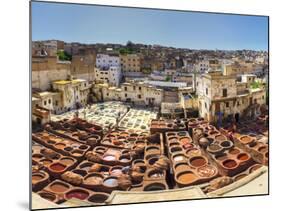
x=166 y=84
x=63 y=82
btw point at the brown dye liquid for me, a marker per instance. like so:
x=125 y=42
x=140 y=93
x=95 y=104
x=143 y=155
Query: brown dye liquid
x=48 y=196
x=181 y=167
x=240 y=177
x=59 y=188
x=262 y=149
x=246 y=139
x=93 y=180
x=214 y=147
x=234 y=151
x=185 y=140
x=229 y=163
x=187 y=177
x=60 y=146
x=220 y=138
x=46 y=162
x=82 y=195
x=243 y=157
x=67 y=161
x=198 y=162
x=36 y=178
x=57 y=167
x=255 y=167
x=221 y=157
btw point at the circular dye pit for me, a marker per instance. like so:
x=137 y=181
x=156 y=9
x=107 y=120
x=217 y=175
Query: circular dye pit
x=193 y=152
x=240 y=176
x=221 y=157
x=37 y=177
x=155 y=174
x=155 y=187
x=110 y=182
x=255 y=167
x=262 y=149
x=37 y=156
x=197 y=161
x=77 y=153
x=59 y=187
x=57 y=167
x=86 y=166
x=60 y=145
x=78 y=194
x=246 y=139
x=181 y=167
x=178 y=158
x=226 y=144
x=68 y=149
x=230 y=164
x=67 y=161
x=242 y=156
x=234 y=151
x=83 y=147
x=109 y=158
x=186 y=177
x=175 y=149
x=93 y=179
x=220 y=138
x=98 y=198
x=46 y=161
x=116 y=172
x=185 y=140
x=48 y=196
x=207 y=171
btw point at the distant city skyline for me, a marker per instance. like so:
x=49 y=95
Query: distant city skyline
x=90 y=24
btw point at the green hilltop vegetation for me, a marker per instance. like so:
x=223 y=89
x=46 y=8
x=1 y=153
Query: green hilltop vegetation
x=64 y=56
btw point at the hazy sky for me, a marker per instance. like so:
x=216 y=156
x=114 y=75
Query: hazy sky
x=100 y=24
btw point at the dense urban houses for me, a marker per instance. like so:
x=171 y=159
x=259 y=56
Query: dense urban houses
x=216 y=85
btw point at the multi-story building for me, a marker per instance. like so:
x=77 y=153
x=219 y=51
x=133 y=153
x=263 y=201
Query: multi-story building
x=202 y=66
x=111 y=75
x=47 y=47
x=83 y=64
x=104 y=61
x=221 y=96
x=134 y=92
x=130 y=63
x=46 y=69
x=72 y=94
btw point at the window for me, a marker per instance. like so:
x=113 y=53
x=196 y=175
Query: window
x=224 y=92
x=134 y=87
x=238 y=103
x=263 y=97
x=206 y=105
x=126 y=95
x=125 y=88
x=56 y=103
x=139 y=96
x=45 y=102
x=206 y=91
x=49 y=101
x=140 y=88
x=227 y=104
